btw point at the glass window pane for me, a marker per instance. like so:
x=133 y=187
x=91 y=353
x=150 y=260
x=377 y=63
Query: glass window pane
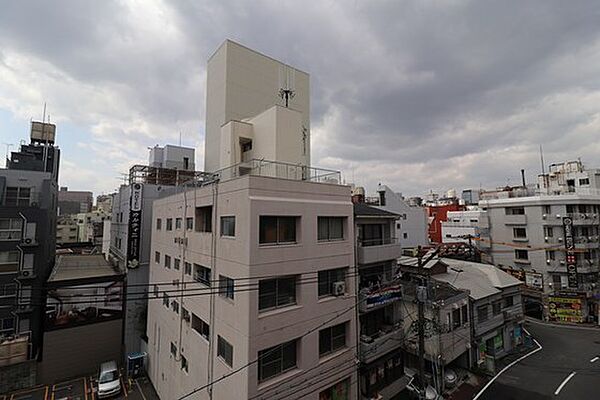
x=323 y=228
x=336 y=230
x=289 y=355
x=287 y=229
x=268 y=229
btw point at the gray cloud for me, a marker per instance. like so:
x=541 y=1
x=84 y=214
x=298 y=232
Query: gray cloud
x=417 y=94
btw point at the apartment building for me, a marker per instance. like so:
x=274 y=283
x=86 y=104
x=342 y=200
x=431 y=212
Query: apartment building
x=131 y=229
x=257 y=283
x=74 y=202
x=380 y=308
x=28 y=201
x=551 y=231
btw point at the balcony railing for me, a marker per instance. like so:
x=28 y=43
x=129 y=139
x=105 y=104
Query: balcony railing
x=388 y=338
x=376 y=250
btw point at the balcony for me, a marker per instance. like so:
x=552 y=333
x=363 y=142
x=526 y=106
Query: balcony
x=373 y=298
x=387 y=339
x=516 y=219
x=377 y=250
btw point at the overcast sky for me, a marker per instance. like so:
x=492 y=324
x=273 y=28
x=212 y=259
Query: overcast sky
x=418 y=95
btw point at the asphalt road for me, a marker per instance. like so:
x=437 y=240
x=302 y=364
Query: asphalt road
x=567 y=367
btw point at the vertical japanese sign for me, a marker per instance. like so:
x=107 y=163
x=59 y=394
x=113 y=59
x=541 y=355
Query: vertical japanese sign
x=570 y=250
x=135 y=226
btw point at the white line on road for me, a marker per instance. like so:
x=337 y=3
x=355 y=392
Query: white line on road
x=567 y=379
x=593 y=360
x=509 y=365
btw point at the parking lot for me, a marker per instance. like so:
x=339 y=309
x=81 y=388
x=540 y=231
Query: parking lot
x=84 y=389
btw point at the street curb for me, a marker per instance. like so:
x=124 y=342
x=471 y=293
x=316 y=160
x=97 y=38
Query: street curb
x=510 y=365
x=562 y=324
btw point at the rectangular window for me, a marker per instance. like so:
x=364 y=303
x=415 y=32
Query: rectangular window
x=200 y=326
x=187 y=268
x=10 y=228
x=185 y=314
x=184 y=363
x=515 y=210
x=548 y=231
x=276 y=293
x=550 y=255
x=225 y=287
x=225 y=350
x=18 y=196
x=176 y=263
x=276 y=360
x=332 y=339
x=189 y=223
x=157 y=257
x=584 y=181
x=328 y=277
x=496 y=307
x=482 y=313
x=167 y=261
x=521 y=254
x=158 y=224
x=169 y=224
x=508 y=302
x=8 y=289
x=178 y=222
x=175 y=306
x=173 y=349
x=330 y=228
x=166 y=300
x=456 y=318
x=277 y=230
x=465 y=315
x=520 y=233
x=341 y=390
x=546 y=210
x=7 y=325
x=571 y=208
x=156 y=291
x=204 y=219
x=9 y=261
x=202 y=274
x=228 y=226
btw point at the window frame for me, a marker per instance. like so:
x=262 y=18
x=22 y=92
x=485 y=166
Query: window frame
x=226 y=287
x=327 y=235
x=203 y=328
x=279 y=285
x=225 y=218
x=158 y=224
x=11 y=230
x=169 y=224
x=269 y=352
x=223 y=344
x=278 y=219
x=332 y=275
x=332 y=336
x=202 y=274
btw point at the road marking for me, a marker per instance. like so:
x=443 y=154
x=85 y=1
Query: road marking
x=509 y=366
x=46 y=393
x=567 y=379
x=593 y=360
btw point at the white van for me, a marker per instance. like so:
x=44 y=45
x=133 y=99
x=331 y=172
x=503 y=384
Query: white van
x=109 y=383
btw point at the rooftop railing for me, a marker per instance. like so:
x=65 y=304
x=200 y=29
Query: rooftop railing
x=278 y=169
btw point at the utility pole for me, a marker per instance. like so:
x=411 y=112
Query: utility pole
x=421 y=298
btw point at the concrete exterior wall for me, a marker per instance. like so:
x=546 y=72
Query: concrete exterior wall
x=411 y=228
x=242 y=83
x=243 y=258
x=462 y=223
x=79 y=351
x=18 y=376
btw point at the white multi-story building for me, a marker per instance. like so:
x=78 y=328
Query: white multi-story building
x=411 y=227
x=551 y=234
x=261 y=283
x=462 y=225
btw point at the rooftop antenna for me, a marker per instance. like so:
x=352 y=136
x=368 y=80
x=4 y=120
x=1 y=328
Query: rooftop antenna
x=544 y=177
x=287 y=84
x=180 y=138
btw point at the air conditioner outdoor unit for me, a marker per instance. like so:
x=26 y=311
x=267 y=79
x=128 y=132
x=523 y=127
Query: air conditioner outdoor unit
x=544 y=216
x=339 y=288
x=548 y=261
x=562 y=262
x=557 y=215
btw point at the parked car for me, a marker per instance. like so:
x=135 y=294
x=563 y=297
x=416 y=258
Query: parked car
x=109 y=383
